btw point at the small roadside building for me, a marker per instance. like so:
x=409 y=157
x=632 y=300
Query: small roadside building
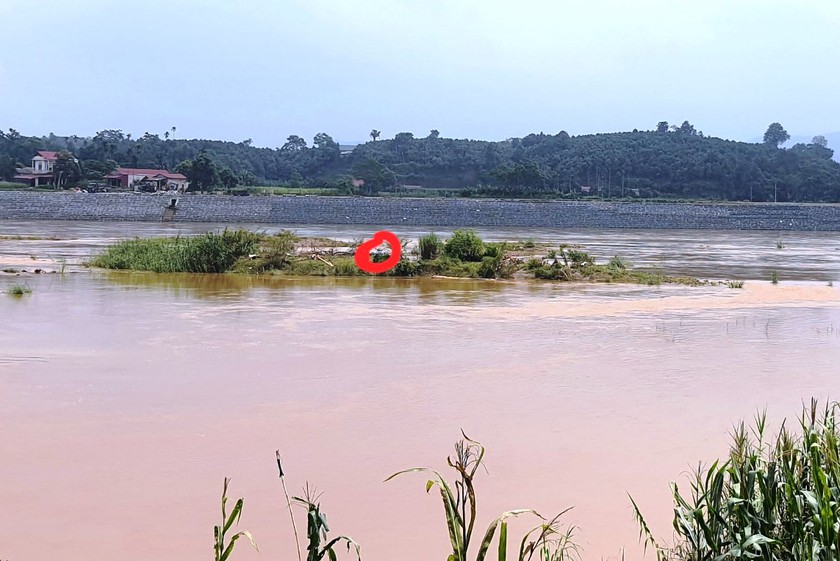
x=155 y=180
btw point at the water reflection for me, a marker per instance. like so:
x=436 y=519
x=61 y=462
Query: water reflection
x=226 y=286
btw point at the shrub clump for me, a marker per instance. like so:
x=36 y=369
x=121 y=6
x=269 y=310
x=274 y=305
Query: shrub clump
x=496 y=264
x=448 y=267
x=464 y=245
x=19 y=290
x=616 y=262
x=273 y=254
x=405 y=268
x=430 y=246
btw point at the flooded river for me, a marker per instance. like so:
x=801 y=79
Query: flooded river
x=126 y=398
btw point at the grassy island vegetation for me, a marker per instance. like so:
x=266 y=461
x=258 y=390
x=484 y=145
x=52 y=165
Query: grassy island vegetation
x=463 y=255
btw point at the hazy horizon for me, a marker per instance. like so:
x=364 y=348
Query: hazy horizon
x=483 y=70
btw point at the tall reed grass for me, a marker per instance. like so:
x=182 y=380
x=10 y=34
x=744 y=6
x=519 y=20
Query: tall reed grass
x=206 y=253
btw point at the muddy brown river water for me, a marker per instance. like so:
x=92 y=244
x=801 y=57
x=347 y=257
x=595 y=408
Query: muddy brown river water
x=126 y=398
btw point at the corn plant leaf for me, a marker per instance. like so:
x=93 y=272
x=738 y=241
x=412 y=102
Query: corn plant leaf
x=491 y=529
x=234 y=515
x=503 y=527
x=756 y=540
x=453 y=517
x=453 y=523
x=233 y=539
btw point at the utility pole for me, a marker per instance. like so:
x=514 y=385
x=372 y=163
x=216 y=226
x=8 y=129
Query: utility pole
x=775 y=192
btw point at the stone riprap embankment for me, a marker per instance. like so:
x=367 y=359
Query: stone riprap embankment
x=20 y=205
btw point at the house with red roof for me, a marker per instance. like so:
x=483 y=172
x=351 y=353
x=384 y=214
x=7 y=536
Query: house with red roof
x=44 y=161
x=41 y=172
x=138 y=179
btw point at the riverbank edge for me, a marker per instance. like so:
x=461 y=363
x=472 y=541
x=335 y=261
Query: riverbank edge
x=431 y=213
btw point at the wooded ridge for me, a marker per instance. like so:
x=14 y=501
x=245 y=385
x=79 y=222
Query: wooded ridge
x=668 y=162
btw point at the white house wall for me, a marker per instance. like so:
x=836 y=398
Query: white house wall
x=41 y=165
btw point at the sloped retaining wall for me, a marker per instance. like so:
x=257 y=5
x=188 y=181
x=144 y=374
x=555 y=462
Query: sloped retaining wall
x=418 y=212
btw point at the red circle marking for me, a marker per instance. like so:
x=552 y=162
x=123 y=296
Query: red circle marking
x=362 y=256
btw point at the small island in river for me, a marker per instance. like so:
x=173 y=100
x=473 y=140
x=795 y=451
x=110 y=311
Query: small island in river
x=463 y=255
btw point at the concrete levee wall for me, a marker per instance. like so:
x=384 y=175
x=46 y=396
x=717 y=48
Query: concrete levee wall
x=19 y=205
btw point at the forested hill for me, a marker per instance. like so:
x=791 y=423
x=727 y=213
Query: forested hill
x=667 y=162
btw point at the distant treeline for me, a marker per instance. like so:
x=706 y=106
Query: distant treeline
x=669 y=161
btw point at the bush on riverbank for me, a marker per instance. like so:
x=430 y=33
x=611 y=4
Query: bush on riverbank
x=464 y=245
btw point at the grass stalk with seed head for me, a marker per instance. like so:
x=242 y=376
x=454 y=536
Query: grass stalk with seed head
x=288 y=503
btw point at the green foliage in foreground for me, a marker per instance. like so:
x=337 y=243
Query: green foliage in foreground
x=319 y=545
x=222 y=545
x=549 y=540
x=206 y=253
x=776 y=497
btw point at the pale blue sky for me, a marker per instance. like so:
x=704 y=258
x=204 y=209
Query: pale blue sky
x=482 y=69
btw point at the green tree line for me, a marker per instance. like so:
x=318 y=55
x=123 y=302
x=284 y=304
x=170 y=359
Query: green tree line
x=668 y=161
